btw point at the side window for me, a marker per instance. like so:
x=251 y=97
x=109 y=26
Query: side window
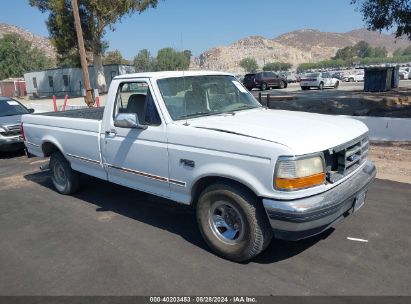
x=51 y=83
x=135 y=97
x=35 y=82
x=66 y=80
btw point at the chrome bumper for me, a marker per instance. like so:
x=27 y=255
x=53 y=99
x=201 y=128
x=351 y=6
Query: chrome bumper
x=302 y=218
x=11 y=143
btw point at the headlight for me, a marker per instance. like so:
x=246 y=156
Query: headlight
x=299 y=173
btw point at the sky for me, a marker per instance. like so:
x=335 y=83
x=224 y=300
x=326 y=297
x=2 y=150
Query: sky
x=199 y=25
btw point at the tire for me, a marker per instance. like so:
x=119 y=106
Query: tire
x=233 y=222
x=264 y=87
x=351 y=80
x=282 y=85
x=65 y=180
x=304 y=88
x=336 y=85
x=321 y=86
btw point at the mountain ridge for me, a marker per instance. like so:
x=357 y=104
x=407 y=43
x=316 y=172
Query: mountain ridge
x=40 y=42
x=304 y=45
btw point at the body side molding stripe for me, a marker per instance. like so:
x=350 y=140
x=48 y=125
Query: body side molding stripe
x=144 y=174
x=148 y=175
x=31 y=144
x=83 y=158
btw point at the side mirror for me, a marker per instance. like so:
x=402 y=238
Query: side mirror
x=128 y=120
x=31 y=111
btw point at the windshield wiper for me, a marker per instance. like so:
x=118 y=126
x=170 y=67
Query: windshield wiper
x=244 y=107
x=197 y=114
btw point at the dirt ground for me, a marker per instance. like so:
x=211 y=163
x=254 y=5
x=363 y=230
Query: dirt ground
x=392 y=159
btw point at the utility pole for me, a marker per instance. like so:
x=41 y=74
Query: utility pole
x=89 y=97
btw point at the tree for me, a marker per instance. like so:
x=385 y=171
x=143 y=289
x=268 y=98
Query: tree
x=397 y=52
x=363 y=49
x=114 y=57
x=96 y=16
x=188 y=54
x=143 y=62
x=346 y=53
x=169 y=59
x=386 y=14
x=406 y=51
x=249 y=65
x=379 y=52
x=277 y=66
x=18 y=57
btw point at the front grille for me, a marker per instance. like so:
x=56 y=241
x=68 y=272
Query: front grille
x=12 y=130
x=346 y=158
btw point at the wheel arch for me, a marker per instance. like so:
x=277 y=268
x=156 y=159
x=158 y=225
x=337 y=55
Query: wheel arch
x=206 y=181
x=49 y=146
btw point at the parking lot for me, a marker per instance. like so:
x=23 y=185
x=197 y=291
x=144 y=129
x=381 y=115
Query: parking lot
x=110 y=240
x=348 y=99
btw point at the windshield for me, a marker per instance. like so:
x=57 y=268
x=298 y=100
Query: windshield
x=195 y=96
x=312 y=75
x=11 y=107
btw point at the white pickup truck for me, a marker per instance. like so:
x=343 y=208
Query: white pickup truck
x=201 y=139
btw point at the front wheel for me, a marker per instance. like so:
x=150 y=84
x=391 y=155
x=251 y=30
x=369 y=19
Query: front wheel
x=233 y=222
x=282 y=85
x=65 y=179
x=336 y=85
x=263 y=87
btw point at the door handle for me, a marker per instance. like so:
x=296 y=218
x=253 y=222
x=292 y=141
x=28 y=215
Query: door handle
x=111 y=132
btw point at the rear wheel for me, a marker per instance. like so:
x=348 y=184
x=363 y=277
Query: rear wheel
x=321 y=86
x=65 y=179
x=264 y=87
x=304 y=88
x=233 y=222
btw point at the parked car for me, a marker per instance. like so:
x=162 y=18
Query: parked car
x=338 y=75
x=354 y=77
x=10 y=131
x=405 y=73
x=264 y=81
x=318 y=80
x=289 y=76
x=248 y=81
x=201 y=139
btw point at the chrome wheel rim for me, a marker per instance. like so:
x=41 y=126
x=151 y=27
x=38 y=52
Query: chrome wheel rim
x=59 y=174
x=226 y=222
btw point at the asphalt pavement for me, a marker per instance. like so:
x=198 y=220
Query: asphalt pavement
x=111 y=240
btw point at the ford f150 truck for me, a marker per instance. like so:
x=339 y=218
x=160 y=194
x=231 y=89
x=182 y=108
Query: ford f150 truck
x=201 y=139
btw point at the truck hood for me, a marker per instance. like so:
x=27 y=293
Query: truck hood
x=10 y=120
x=300 y=131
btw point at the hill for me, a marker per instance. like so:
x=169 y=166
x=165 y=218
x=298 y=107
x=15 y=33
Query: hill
x=39 y=42
x=296 y=47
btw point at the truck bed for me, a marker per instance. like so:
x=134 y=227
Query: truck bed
x=86 y=113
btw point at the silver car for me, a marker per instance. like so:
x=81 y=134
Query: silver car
x=10 y=132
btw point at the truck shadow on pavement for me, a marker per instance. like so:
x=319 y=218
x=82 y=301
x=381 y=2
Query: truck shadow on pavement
x=11 y=154
x=164 y=214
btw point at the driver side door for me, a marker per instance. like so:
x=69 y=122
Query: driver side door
x=137 y=157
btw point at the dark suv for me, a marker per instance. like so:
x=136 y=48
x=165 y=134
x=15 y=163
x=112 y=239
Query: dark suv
x=264 y=81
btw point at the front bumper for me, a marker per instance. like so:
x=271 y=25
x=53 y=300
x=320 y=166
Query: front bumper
x=11 y=143
x=302 y=218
